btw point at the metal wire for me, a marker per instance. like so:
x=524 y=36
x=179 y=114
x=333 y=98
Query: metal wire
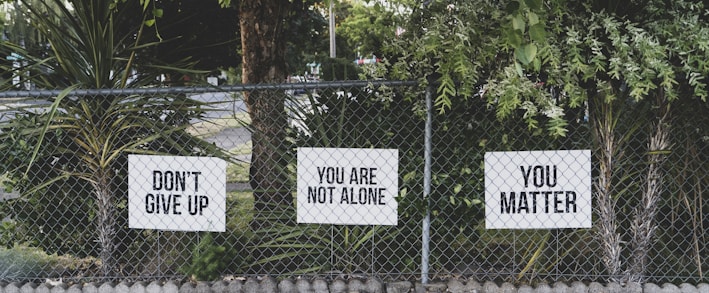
x=50 y=208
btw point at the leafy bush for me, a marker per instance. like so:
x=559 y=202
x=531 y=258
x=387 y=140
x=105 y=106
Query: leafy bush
x=24 y=262
x=7 y=231
x=208 y=259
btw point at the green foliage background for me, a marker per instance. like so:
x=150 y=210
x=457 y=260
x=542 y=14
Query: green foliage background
x=514 y=75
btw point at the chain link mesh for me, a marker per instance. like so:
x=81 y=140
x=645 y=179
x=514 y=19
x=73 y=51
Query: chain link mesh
x=65 y=172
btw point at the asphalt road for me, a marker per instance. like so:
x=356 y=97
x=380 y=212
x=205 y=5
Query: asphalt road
x=220 y=104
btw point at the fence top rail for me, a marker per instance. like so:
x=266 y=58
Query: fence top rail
x=206 y=89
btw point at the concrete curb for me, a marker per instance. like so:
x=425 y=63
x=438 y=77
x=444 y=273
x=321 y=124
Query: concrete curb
x=268 y=285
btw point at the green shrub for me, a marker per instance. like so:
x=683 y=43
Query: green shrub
x=19 y=261
x=208 y=260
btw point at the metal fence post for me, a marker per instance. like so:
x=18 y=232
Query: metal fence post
x=426 y=226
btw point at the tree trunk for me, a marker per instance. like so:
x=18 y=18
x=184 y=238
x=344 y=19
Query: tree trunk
x=263 y=61
x=608 y=153
x=106 y=223
x=644 y=224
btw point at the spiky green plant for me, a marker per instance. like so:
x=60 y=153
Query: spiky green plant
x=88 y=137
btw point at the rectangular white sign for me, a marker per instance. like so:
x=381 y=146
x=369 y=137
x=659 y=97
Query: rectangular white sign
x=348 y=186
x=176 y=193
x=538 y=189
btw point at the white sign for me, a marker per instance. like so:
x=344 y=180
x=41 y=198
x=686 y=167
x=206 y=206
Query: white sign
x=176 y=193
x=538 y=189
x=348 y=186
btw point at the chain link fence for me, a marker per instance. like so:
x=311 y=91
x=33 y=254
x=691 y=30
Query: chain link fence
x=73 y=207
